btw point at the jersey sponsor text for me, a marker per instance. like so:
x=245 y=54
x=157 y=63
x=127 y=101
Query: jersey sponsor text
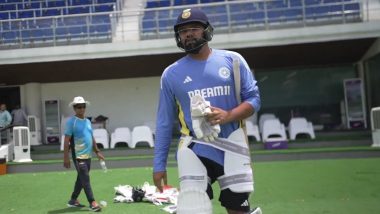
x=211 y=92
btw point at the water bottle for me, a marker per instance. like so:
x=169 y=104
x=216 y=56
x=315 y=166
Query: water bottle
x=103 y=165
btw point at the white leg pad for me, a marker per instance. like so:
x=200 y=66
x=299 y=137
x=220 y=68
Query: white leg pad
x=192 y=197
x=191 y=201
x=238 y=171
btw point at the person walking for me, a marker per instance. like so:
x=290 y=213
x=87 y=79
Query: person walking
x=80 y=140
x=199 y=90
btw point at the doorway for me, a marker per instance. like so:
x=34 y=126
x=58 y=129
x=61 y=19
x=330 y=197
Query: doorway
x=10 y=96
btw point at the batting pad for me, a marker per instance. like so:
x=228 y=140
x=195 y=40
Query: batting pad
x=192 y=201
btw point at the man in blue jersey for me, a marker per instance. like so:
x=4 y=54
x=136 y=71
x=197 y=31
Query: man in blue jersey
x=79 y=139
x=208 y=73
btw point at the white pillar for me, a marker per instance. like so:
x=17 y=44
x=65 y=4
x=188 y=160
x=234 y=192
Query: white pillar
x=32 y=97
x=373 y=9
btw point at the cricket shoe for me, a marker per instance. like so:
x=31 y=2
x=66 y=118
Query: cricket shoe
x=95 y=207
x=74 y=203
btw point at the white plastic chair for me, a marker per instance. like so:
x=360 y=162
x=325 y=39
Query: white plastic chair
x=6 y=151
x=273 y=127
x=253 y=118
x=151 y=125
x=120 y=135
x=141 y=134
x=299 y=125
x=262 y=119
x=253 y=130
x=101 y=137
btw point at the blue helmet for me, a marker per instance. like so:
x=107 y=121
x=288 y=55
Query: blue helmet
x=189 y=16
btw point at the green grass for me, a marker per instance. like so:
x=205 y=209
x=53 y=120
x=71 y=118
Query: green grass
x=291 y=187
x=253 y=152
x=336 y=136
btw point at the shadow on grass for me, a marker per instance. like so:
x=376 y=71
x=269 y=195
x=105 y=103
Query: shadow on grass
x=68 y=210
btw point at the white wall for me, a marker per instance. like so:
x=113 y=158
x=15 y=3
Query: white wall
x=126 y=102
x=31 y=94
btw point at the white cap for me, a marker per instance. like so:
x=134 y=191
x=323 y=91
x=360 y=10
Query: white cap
x=79 y=100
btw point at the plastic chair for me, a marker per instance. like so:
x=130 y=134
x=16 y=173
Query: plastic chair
x=141 y=134
x=273 y=127
x=253 y=130
x=299 y=125
x=6 y=151
x=151 y=125
x=262 y=119
x=253 y=118
x=120 y=135
x=101 y=137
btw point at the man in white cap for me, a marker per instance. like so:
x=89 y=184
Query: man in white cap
x=79 y=139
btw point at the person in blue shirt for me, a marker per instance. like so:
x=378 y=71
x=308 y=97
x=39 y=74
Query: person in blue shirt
x=207 y=72
x=5 y=116
x=79 y=139
x=5 y=122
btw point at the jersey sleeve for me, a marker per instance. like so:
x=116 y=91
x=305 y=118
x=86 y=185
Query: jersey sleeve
x=90 y=126
x=165 y=118
x=69 y=127
x=8 y=118
x=249 y=90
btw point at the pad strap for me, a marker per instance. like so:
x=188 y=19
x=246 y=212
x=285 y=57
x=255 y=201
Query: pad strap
x=226 y=181
x=227 y=146
x=192 y=178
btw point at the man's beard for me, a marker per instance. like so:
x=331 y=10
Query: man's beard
x=194 y=46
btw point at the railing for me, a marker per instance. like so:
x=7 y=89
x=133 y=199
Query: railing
x=27 y=12
x=237 y=16
x=5 y=135
x=57 y=30
x=227 y=17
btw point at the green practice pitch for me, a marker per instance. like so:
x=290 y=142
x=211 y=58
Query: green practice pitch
x=346 y=186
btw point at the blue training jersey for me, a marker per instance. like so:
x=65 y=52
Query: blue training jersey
x=82 y=131
x=214 y=80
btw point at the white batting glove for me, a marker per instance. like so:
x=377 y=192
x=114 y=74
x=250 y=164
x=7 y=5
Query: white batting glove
x=202 y=128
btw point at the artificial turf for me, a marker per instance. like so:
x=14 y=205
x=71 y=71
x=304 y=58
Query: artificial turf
x=342 y=186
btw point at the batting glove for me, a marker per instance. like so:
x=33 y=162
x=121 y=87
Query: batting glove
x=202 y=128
